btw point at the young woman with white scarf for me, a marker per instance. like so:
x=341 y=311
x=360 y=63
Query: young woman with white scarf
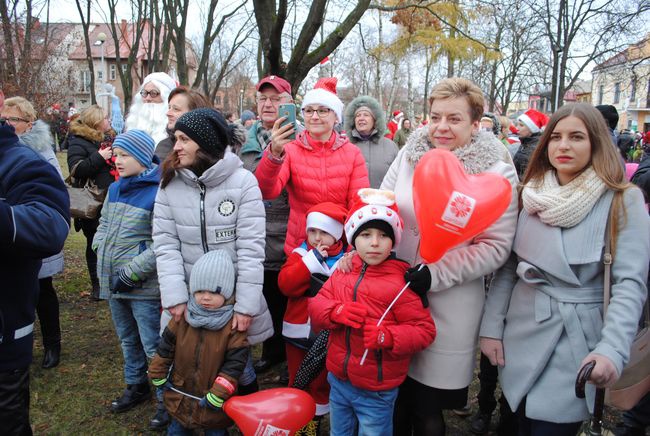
x=543 y=317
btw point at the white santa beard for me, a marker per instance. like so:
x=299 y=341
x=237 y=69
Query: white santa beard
x=150 y=117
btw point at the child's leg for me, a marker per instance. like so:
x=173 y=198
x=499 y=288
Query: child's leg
x=176 y=429
x=374 y=411
x=126 y=327
x=343 y=421
x=216 y=432
x=318 y=388
x=248 y=379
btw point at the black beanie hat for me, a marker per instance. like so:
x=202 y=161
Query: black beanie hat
x=207 y=127
x=382 y=225
x=610 y=114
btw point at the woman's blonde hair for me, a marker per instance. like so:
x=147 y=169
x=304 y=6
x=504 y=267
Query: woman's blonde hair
x=605 y=159
x=457 y=87
x=92 y=116
x=24 y=106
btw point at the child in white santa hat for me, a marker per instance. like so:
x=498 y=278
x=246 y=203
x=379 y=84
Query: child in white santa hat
x=301 y=277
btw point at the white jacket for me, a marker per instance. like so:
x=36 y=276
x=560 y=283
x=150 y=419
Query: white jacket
x=234 y=221
x=457 y=292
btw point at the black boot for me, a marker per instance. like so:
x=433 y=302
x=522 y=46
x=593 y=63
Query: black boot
x=52 y=355
x=131 y=397
x=480 y=423
x=160 y=420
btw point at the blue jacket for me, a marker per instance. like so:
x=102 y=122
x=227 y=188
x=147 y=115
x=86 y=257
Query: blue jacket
x=123 y=238
x=34 y=223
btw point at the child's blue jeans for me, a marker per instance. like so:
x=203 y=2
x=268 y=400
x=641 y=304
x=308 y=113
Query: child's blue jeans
x=137 y=324
x=349 y=405
x=176 y=429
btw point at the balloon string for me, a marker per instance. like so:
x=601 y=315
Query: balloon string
x=184 y=393
x=390 y=306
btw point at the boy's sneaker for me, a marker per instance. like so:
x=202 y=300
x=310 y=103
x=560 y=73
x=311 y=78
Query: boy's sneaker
x=131 y=397
x=464 y=412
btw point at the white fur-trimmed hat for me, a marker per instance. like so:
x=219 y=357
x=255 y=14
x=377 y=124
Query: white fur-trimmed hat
x=534 y=120
x=163 y=82
x=324 y=94
x=373 y=205
x=328 y=217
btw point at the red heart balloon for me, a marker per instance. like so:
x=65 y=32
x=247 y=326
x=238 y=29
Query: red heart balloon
x=277 y=412
x=452 y=207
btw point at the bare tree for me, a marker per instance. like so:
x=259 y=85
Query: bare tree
x=85 y=24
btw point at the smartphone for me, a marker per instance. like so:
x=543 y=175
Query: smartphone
x=288 y=110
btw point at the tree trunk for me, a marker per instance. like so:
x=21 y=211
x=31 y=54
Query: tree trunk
x=85 y=24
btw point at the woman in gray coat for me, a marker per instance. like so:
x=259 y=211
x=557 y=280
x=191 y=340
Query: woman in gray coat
x=365 y=125
x=543 y=317
x=208 y=201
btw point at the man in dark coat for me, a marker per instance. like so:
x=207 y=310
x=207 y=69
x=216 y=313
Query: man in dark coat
x=34 y=223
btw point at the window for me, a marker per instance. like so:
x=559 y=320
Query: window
x=112 y=72
x=601 y=92
x=217 y=100
x=100 y=75
x=85 y=81
x=632 y=89
x=124 y=68
x=617 y=92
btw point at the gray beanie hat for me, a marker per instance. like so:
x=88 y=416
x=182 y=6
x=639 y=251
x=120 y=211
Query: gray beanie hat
x=214 y=272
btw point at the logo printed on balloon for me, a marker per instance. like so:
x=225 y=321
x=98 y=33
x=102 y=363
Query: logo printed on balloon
x=459 y=210
x=270 y=430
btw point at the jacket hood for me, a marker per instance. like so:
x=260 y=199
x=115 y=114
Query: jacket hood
x=39 y=138
x=8 y=135
x=148 y=177
x=483 y=151
x=364 y=100
x=216 y=174
x=77 y=128
x=252 y=145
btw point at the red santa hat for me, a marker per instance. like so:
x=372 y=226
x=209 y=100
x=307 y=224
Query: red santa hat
x=324 y=94
x=534 y=120
x=373 y=205
x=328 y=217
x=398 y=114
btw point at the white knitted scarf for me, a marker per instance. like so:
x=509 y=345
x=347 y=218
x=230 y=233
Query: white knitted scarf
x=566 y=205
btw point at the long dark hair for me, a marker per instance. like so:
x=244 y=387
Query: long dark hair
x=605 y=159
x=202 y=162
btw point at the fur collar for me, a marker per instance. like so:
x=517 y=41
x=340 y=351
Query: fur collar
x=481 y=153
x=78 y=128
x=39 y=137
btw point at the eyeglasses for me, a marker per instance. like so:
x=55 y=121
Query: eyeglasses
x=321 y=111
x=153 y=93
x=14 y=120
x=274 y=100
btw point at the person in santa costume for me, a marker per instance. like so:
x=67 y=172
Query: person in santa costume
x=394 y=124
x=349 y=305
x=301 y=277
x=530 y=125
x=319 y=165
x=148 y=111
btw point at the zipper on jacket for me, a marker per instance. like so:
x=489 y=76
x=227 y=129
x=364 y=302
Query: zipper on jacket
x=204 y=233
x=380 y=370
x=348 y=330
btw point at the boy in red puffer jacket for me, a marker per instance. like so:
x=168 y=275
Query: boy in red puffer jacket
x=301 y=277
x=350 y=304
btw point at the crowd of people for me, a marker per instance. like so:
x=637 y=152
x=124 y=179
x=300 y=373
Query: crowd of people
x=216 y=235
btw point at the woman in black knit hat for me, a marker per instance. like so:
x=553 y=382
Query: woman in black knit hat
x=208 y=201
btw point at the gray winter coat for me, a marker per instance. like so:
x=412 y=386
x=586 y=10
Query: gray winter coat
x=378 y=151
x=233 y=219
x=39 y=139
x=546 y=305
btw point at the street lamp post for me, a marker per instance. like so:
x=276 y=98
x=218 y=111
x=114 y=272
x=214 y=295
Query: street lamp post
x=241 y=101
x=101 y=39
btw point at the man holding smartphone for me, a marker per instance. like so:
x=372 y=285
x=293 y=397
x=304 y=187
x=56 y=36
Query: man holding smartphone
x=272 y=92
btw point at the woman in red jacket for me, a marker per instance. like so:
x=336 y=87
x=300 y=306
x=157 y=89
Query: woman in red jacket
x=319 y=165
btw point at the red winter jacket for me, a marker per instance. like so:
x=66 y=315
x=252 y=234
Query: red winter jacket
x=313 y=172
x=409 y=323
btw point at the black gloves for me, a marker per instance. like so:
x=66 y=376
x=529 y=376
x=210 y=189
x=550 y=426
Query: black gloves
x=420 y=282
x=123 y=283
